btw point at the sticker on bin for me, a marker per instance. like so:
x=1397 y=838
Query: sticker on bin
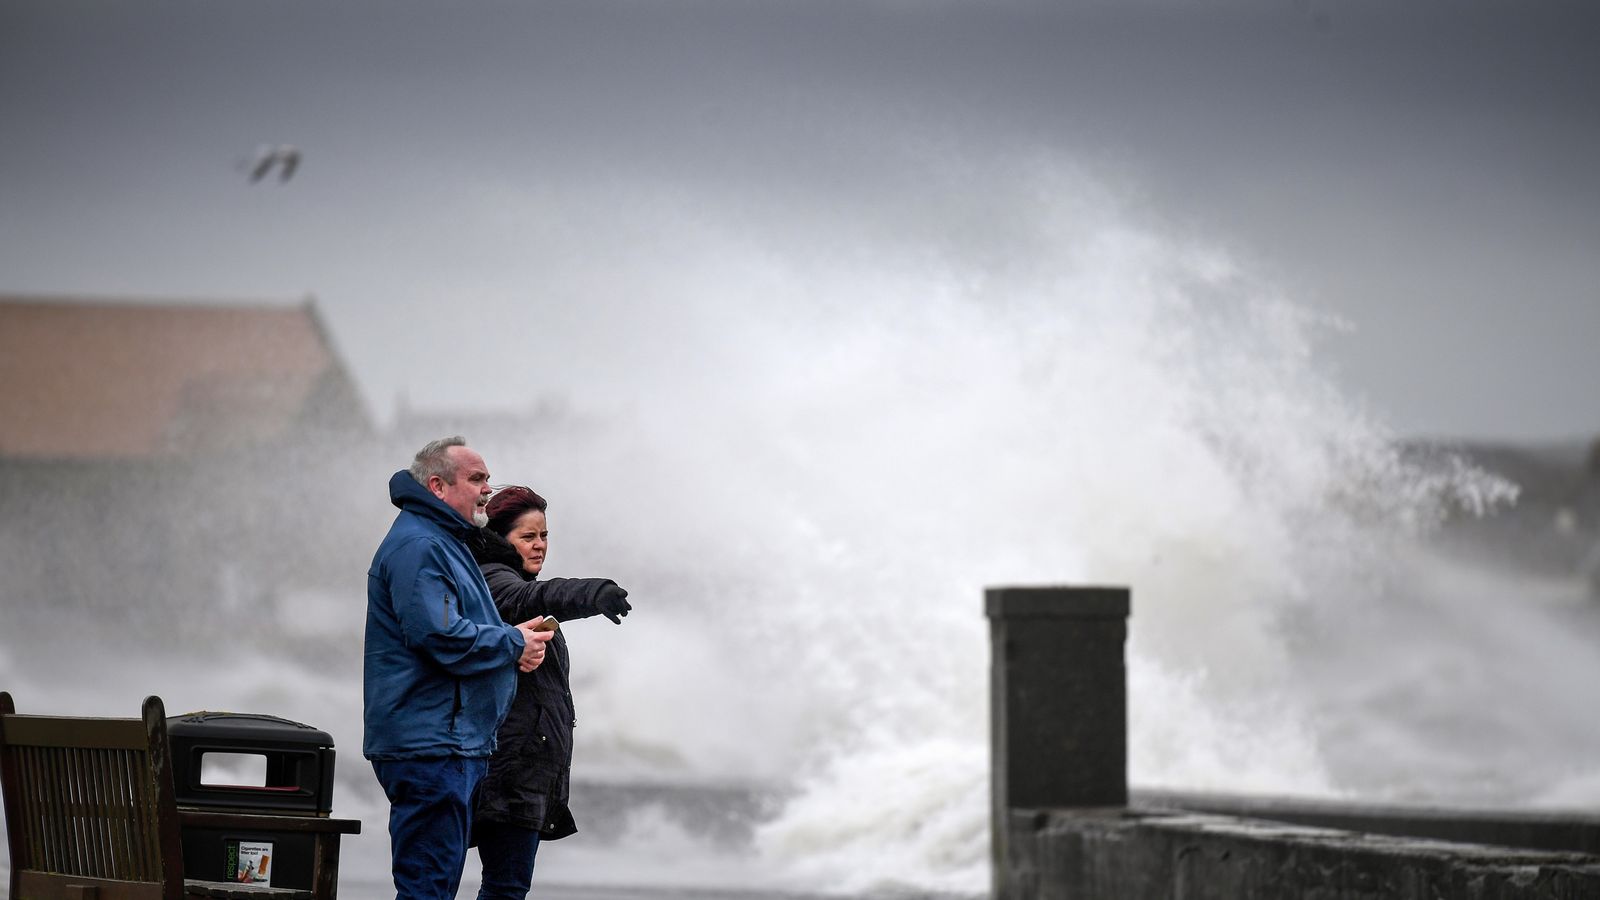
x=249 y=862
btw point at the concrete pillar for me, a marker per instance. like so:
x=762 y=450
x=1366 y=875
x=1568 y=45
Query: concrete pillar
x=1057 y=704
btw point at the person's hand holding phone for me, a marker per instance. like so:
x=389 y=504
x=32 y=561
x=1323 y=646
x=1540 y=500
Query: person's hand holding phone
x=535 y=633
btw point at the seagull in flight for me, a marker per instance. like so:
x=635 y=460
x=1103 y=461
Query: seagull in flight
x=284 y=156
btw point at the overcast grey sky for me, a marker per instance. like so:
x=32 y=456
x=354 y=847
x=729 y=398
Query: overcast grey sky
x=1423 y=171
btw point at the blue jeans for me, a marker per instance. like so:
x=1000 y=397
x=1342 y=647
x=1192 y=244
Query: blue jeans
x=507 y=853
x=430 y=816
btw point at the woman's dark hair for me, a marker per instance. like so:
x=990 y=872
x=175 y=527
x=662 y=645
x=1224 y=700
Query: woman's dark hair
x=510 y=504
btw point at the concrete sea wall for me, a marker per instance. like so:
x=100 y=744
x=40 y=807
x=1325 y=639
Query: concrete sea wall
x=1063 y=826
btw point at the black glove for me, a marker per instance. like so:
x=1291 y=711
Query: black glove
x=613 y=601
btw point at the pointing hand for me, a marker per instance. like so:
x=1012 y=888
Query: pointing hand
x=613 y=602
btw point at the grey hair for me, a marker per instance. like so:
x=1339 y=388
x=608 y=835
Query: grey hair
x=434 y=459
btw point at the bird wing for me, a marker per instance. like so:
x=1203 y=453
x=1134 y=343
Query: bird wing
x=291 y=161
x=263 y=166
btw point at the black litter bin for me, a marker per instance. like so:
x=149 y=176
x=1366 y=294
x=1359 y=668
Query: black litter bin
x=242 y=762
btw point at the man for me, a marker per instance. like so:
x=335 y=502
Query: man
x=440 y=666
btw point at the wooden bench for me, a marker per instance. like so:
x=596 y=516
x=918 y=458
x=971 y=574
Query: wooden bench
x=91 y=814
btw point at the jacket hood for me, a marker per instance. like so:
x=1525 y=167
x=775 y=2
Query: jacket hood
x=488 y=547
x=411 y=497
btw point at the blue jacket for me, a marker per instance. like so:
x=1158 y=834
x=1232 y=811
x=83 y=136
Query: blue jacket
x=440 y=667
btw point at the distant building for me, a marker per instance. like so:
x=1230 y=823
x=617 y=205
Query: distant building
x=1553 y=527
x=173 y=465
x=99 y=380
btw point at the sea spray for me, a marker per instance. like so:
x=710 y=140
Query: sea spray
x=854 y=447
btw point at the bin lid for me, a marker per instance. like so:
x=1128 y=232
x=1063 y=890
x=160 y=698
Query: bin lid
x=232 y=726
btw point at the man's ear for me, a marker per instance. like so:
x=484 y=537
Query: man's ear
x=436 y=485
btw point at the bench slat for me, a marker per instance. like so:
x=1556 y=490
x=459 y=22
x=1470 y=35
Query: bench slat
x=64 y=731
x=51 y=886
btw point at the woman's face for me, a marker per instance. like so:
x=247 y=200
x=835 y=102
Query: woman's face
x=531 y=536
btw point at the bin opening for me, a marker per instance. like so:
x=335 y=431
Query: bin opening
x=247 y=772
x=233 y=769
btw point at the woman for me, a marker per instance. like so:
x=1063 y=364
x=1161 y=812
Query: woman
x=523 y=799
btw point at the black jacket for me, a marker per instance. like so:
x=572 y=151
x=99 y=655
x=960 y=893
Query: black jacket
x=529 y=777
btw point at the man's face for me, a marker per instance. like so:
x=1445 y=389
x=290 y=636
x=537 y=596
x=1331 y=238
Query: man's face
x=470 y=492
